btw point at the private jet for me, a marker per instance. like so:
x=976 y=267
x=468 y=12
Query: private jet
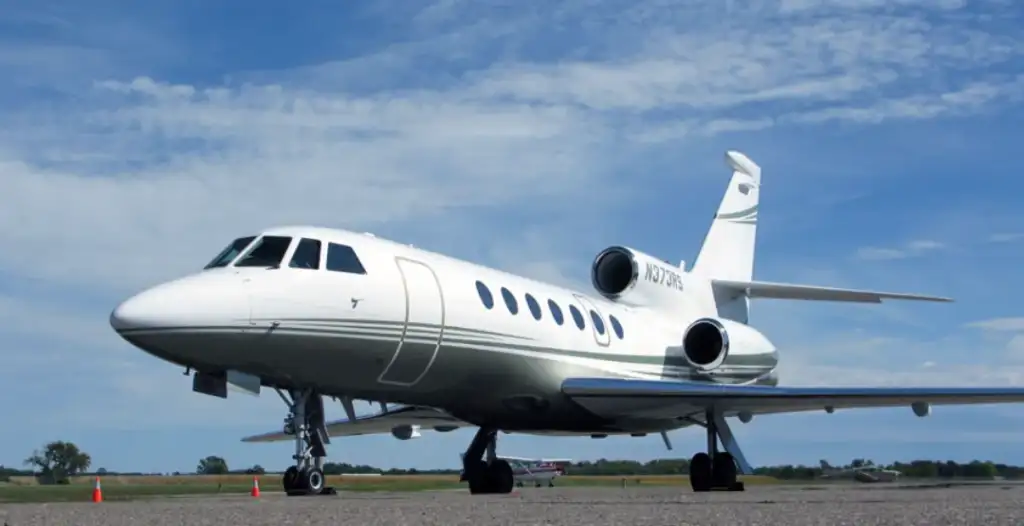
x=321 y=314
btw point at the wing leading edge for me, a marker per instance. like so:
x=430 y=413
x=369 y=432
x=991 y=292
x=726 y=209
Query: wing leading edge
x=788 y=291
x=665 y=399
x=377 y=423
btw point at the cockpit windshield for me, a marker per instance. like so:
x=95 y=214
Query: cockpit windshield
x=229 y=254
x=267 y=252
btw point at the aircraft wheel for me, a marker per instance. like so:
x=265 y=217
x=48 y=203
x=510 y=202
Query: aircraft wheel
x=290 y=479
x=476 y=475
x=700 y=472
x=313 y=480
x=723 y=473
x=551 y=484
x=500 y=477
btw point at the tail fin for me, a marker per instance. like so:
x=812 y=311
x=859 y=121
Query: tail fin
x=728 y=249
x=726 y=258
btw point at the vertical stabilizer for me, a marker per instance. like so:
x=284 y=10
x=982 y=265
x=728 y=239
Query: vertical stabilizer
x=728 y=249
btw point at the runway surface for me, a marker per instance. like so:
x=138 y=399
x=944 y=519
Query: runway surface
x=861 y=505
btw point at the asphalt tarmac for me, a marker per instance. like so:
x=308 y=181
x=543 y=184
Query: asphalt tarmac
x=991 y=504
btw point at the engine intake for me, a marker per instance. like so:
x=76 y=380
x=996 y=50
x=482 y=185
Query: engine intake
x=630 y=277
x=614 y=270
x=405 y=432
x=706 y=344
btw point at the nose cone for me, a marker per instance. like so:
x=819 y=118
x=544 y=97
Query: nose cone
x=149 y=309
x=197 y=302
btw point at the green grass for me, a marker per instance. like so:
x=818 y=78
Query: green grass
x=123 y=489
x=120 y=492
x=127 y=492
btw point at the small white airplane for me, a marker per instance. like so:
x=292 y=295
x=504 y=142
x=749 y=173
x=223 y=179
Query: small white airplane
x=867 y=473
x=321 y=313
x=537 y=471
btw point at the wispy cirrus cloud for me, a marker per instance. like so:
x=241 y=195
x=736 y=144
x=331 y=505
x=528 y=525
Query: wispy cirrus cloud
x=909 y=250
x=1005 y=237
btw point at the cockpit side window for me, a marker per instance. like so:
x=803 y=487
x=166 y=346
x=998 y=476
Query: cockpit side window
x=341 y=258
x=307 y=255
x=267 y=252
x=230 y=252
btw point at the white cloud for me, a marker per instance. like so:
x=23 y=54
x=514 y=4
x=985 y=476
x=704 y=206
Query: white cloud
x=997 y=328
x=909 y=250
x=154 y=161
x=1005 y=237
x=999 y=324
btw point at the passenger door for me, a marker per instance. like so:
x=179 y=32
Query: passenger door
x=424 y=324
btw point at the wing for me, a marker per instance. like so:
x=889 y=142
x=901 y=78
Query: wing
x=787 y=291
x=382 y=422
x=537 y=460
x=665 y=399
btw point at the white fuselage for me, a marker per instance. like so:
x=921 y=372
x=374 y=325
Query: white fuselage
x=421 y=328
x=539 y=474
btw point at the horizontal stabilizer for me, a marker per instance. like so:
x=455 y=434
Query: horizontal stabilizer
x=786 y=291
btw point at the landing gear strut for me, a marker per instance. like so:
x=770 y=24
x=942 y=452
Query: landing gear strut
x=716 y=470
x=486 y=473
x=305 y=420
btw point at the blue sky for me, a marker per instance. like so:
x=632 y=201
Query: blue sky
x=140 y=138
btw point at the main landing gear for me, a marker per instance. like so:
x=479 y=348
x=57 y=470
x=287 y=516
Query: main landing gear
x=305 y=420
x=486 y=473
x=716 y=470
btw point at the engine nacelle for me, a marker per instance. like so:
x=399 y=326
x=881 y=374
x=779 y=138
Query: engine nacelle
x=633 y=278
x=708 y=342
x=405 y=432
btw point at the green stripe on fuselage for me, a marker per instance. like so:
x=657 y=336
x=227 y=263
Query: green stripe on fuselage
x=457 y=336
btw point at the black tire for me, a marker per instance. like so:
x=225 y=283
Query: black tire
x=313 y=480
x=500 y=477
x=723 y=473
x=290 y=479
x=476 y=476
x=700 y=472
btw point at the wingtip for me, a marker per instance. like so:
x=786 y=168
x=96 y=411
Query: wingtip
x=938 y=299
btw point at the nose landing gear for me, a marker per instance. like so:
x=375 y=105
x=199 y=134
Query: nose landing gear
x=305 y=420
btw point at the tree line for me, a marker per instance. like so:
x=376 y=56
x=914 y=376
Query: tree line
x=57 y=461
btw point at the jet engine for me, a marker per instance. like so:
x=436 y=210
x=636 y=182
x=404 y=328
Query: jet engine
x=707 y=343
x=405 y=432
x=633 y=278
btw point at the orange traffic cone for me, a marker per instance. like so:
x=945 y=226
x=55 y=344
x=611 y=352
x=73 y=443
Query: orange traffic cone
x=97 y=491
x=255 y=488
